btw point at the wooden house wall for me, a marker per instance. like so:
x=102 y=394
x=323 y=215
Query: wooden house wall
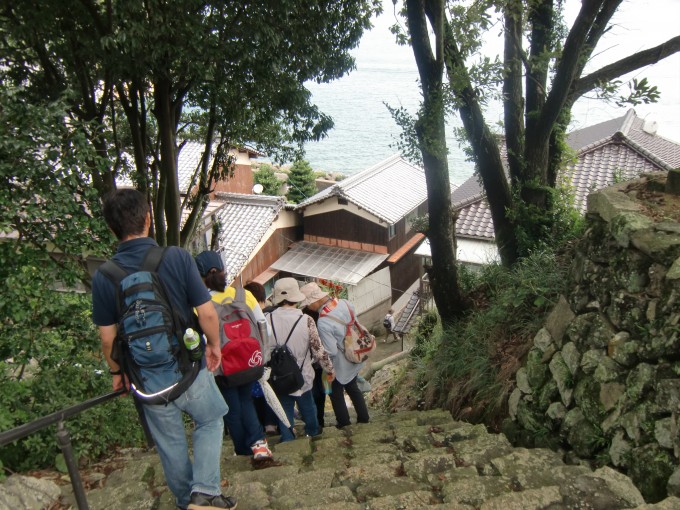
x=240 y=182
x=345 y=225
x=403 y=273
x=272 y=250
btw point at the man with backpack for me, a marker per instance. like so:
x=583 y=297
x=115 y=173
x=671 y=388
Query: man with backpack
x=176 y=280
x=335 y=315
x=239 y=330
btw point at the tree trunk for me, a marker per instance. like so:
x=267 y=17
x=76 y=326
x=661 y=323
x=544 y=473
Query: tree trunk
x=431 y=131
x=486 y=152
x=168 y=164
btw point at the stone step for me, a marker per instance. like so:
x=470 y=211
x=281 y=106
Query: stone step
x=409 y=460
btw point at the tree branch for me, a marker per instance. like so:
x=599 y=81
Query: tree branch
x=566 y=70
x=624 y=66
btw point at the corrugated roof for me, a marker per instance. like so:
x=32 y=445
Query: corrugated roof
x=389 y=190
x=328 y=262
x=620 y=148
x=244 y=219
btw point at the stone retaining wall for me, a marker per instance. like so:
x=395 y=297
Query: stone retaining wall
x=603 y=376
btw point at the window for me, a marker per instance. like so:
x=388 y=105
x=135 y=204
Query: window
x=391 y=231
x=342 y=201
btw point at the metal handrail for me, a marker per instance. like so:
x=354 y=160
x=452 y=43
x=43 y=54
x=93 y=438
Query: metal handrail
x=64 y=439
x=44 y=422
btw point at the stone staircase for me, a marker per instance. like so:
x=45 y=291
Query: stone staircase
x=407 y=461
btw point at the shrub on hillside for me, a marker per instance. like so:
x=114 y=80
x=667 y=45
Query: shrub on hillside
x=467 y=366
x=52 y=360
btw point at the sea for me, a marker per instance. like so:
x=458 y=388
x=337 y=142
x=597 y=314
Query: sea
x=386 y=74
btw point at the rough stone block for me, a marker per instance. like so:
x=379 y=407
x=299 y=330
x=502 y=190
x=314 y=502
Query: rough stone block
x=625 y=223
x=474 y=491
x=591 y=360
x=543 y=339
x=563 y=377
x=571 y=356
x=558 y=320
x=28 y=493
x=619 y=450
x=610 y=393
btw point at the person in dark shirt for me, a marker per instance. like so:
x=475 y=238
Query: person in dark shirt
x=195 y=485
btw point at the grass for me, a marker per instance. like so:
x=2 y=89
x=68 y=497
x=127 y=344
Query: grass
x=468 y=366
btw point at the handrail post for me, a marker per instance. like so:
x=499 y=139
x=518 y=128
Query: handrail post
x=64 y=440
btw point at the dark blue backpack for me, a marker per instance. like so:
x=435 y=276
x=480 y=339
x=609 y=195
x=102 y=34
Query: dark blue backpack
x=148 y=345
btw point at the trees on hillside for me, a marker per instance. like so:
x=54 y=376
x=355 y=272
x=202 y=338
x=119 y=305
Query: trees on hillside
x=540 y=76
x=142 y=77
x=301 y=181
x=265 y=176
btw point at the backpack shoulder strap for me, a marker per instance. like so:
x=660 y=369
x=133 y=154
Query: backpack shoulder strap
x=271 y=319
x=293 y=329
x=115 y=273
x=334 y=319
x=240 y=294
x=152 y=259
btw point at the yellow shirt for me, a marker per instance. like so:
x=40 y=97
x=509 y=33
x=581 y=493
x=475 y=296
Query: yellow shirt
x=230 y=292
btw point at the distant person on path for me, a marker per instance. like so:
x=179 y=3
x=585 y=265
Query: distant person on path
x=196 y=485
x=305 y=345
x=242 y=422
x=389 y=324
x=332 y=335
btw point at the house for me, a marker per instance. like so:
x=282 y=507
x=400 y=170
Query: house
x=608 y=152
x=241 y=181
x=358 y=233
x=252 y=232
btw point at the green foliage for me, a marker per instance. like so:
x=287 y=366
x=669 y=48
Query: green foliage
x=459 y=366
x=145 y=76
x=51 y=361
x=301 y=183
x=639 y=92
x=425 y=328
x=46 y=202
x=538 y=227
x=267 y=178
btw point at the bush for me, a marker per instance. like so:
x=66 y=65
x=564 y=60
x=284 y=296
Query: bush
x=466 y=366
x=55 y=363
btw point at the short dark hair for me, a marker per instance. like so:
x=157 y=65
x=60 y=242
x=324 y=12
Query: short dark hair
x=125 y=212
x=215 y=280
x=257 y=290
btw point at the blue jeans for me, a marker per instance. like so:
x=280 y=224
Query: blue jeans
x=241 y=420
x=305 y=403
x=203 y=402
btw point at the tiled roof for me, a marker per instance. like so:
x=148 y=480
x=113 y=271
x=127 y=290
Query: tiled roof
x=475 y=221
x=600 y=166
x=187 y=163
x=389 y=190
x=244 y=219
x=621 y=148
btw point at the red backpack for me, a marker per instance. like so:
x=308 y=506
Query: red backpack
x=240 y=340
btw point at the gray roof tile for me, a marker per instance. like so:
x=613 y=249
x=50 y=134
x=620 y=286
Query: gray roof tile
x=617 y=149
x=389 y=190
x=245 y=219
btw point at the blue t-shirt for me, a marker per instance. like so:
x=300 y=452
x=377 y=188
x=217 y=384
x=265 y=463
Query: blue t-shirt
x=177 y=270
